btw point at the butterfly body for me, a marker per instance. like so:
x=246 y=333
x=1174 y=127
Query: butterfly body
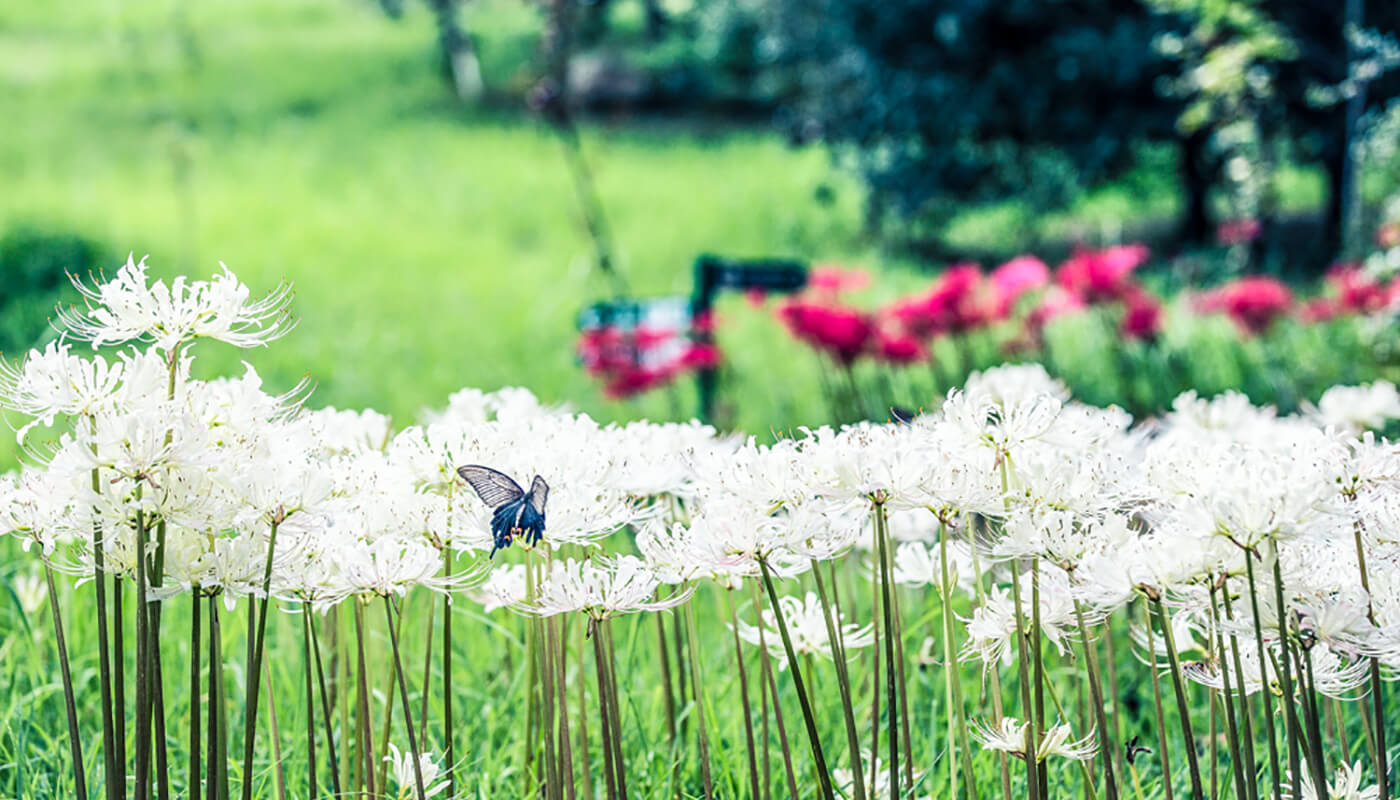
x=515 y=513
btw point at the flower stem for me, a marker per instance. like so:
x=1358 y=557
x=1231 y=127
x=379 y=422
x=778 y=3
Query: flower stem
x=255 y=655
x=1091 y=663
x=693 y=650
x=754 y=790
x=325 y=704
x=193 y=784
x=951 y=671
x=403 y=699
x=765 y=663
x=1246 y=724
x=1380 y=761
x=823 y=777
x=1183 y=710
x=75 y=745
x=310 y=701
x=838 y=652
x=1286 y=673
x=1231 y=727
x=891 y=688
x=1162 y=754
x=1275 y=775
x=1031 y=737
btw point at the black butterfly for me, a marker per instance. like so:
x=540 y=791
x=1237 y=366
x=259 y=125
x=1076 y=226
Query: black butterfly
x=515 y=511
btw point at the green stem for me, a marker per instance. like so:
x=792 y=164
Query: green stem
x=1290 y=713
x=325 y=704
x=765 y=663
x=403 y=699
x=1182 y=708
x=1162 y=755
x=75 y=745
x=823 y=777
x=754 y=789
x=891 y=688
x=1022 y=657
x=1246 y=724
x=950 y=670
x=843 y=684
x=255 y=665
x=704 y=742
x=193 y=786
x=1380 y=759
x=1231 y=727
x=1091 y=662
x=1275 y=774
x=310 y=701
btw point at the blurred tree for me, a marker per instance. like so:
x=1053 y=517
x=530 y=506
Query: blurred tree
x=33 y=264
x=974 y=100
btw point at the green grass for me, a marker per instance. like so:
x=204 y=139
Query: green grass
x=433 y=247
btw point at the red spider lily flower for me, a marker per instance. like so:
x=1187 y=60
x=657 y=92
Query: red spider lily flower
x=1388 y=235
x=835 y=279
x=896 y=346
x=841 y=331
x=1356 y=291
x=1142 y=316
x=1101 y=276
x=1237 y=231
x=1056 y=302
x=952 y=305
x=1320 y=309
x=1010 y=281
x=701 y=356
x=1254 y=302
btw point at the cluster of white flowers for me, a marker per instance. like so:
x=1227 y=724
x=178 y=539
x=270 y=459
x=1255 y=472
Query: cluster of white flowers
x=229 y=481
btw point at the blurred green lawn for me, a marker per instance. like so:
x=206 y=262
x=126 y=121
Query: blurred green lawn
x=433 y=247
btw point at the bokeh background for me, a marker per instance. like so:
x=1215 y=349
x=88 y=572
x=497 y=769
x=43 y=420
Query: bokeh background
x=442 y=180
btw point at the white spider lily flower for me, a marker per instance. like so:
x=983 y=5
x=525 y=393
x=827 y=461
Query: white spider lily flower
x=1345 y=785
x=1009 y=736
x=406 y=778
x=917 y=564
x=877 y=779
x=806 y=623
x=993 y=625
x=54 y=381
x=390 y=565
x=601 y=589
x=31 y=590
x=128 y=307
x=504 y=587
x=1010 y=382
x=1355 y=409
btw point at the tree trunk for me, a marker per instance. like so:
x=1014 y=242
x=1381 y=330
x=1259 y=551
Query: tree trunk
x=458 y=56
x=1196 y=176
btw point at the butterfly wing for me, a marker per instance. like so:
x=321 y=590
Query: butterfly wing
x=539 y=492
x=495 y=488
